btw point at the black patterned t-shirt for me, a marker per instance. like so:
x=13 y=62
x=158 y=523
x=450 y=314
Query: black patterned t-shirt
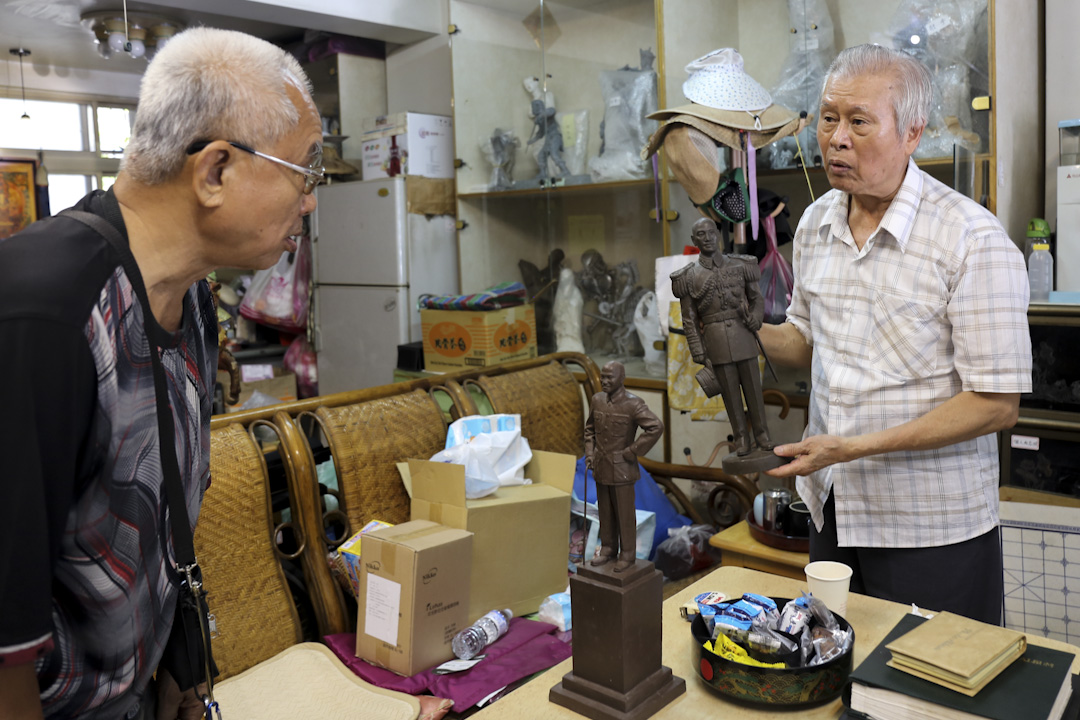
x=87 y=590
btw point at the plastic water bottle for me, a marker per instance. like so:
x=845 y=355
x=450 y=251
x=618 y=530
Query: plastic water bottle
x=472 y=640
x=1040 y=272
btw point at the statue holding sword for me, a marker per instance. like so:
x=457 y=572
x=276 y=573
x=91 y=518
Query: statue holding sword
x=722 y=310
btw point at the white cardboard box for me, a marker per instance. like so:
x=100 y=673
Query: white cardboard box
x=424 y=143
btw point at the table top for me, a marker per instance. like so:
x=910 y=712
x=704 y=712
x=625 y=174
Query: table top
x=737 y=538
x=872 y=618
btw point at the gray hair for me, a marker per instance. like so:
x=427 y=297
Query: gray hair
x=210 y=84
x=912 y=98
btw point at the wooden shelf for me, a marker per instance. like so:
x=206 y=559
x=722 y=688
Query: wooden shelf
x=558 y=190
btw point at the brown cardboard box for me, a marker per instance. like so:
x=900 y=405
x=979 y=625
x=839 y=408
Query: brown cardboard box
x=414 y=595
x=520 y=548
x=281 y=387
x=454 y=339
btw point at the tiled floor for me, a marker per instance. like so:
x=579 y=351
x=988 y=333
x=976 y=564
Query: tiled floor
x=1041 y=549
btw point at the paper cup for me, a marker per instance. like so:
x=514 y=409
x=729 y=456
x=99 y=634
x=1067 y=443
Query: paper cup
x=829 y=583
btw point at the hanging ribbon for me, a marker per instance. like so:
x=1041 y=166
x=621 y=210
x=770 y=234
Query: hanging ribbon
x=656 y=183
x=751 y=178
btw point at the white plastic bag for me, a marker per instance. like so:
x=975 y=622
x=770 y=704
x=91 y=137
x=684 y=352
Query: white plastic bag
x=492 y=450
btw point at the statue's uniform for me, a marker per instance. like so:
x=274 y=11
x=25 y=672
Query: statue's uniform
x=613 y=422
x=722 y=306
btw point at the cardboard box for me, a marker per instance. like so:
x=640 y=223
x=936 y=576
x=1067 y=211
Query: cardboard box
x=520 y=532
x=454 y=339
x=281 y=386
x=414 y=595
x=423 y=144
x=350 y=553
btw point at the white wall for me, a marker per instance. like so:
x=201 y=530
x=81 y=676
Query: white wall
x=1018 y=109
x=1062 y=95
x=41 y=80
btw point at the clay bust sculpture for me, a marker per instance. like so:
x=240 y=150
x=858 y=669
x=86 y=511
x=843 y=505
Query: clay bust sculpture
x=611 y=452
x=722 y=310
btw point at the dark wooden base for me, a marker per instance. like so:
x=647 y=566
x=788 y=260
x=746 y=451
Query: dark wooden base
x=599 y=703
x=618 y=673
x=756 y=461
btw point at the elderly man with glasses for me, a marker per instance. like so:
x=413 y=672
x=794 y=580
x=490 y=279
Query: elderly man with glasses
x=910 y=309
x=225 y=153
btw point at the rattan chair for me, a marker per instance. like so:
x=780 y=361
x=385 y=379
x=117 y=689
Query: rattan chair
x=552 y=405
x=257 y=640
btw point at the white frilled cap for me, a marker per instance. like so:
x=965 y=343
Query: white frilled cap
x=718 y=80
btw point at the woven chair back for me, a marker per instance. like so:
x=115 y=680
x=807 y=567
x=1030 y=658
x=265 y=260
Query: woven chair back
x=550 y=403
x=248 y=593
x=368 y=439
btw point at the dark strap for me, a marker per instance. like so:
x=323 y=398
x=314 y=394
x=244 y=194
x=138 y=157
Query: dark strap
x=183 y=542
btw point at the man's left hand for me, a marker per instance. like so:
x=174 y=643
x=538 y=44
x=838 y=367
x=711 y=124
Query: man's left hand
x=176 y=705
x=629 y=456
x=811 y=454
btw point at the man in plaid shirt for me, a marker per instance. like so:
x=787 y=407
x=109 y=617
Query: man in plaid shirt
x=910 y=308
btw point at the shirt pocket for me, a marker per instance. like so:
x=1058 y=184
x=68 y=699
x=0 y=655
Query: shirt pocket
x=904 y=336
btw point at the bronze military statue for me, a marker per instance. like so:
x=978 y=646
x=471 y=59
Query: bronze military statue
x=612 y=447
x=722 y=310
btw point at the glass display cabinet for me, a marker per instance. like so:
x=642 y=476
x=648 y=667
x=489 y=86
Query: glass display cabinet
x=593 y=62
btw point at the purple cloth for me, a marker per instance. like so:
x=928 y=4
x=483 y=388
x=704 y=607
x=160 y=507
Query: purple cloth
x=528 y=647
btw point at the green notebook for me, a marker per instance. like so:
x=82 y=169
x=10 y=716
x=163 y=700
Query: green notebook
x=1035 y=687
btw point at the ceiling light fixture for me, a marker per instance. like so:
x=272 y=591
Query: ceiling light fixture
x=139 y=34
x=22 y=52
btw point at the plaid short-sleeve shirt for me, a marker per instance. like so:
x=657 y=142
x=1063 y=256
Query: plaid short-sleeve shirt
x=935 y=303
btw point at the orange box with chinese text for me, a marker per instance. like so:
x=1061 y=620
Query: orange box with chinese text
x=455 y=339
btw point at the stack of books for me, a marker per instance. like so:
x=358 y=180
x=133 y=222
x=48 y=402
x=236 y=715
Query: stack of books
x=954 y=668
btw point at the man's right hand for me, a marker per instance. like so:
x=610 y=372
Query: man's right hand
x=19 y=694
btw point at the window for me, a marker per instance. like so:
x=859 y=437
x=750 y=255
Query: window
x=81 y=140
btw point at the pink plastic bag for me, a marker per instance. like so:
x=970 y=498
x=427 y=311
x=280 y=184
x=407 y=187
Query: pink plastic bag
x=300 y=361
x=777 y=279
x=279 y=296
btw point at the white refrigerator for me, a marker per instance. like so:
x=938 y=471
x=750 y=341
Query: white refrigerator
x=372 y=262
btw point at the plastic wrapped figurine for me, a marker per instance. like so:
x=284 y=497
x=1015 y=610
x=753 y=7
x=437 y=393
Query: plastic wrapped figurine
x=568 y=307
x=812 y=48
x=647 y=324
x=501 y=151
x=612 y=447
x=949 y=37
x=629 y=95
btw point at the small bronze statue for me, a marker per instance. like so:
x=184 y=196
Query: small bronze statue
x=611 y=452
x=722 y=310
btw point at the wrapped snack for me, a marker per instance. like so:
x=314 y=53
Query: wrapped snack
x=822 y=613
x=829 y=644
x=768 y=607
x=767 y=638
x=743 y=609
x=796 y=616
x=707 y=605
x=734 y=627
x=729 y=650
x=806 y=645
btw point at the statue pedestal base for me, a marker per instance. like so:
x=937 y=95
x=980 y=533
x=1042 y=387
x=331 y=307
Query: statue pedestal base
x=618 y=674
x=757 y=461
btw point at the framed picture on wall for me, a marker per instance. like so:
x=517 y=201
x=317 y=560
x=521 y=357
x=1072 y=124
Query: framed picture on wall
x=18 y=204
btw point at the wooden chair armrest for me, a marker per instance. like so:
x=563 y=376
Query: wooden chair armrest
x=664 y=473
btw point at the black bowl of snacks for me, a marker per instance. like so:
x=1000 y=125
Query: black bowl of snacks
x=742 y=666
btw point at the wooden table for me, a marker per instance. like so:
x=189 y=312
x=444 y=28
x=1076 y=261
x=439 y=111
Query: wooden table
x=739 y=549
x=872 y=619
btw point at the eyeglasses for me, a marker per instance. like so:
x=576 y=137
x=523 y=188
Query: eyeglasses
x=313 y=175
